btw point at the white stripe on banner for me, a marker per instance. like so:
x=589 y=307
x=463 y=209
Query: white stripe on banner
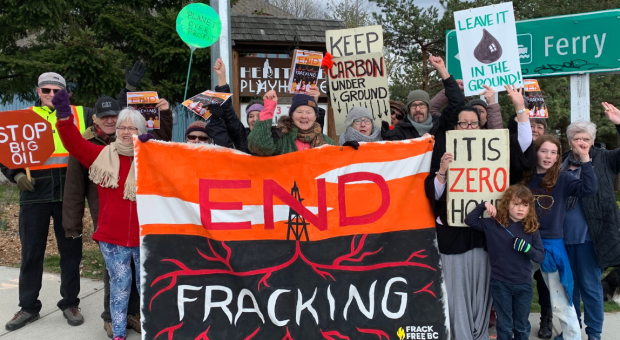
x=388 y=170
x=154 y=209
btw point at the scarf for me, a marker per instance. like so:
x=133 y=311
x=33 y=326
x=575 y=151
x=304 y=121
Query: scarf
x=312 y=136
x=424 y=127
x=104 y=170
x=97 y=132
x=353 y=135
x=570 y=160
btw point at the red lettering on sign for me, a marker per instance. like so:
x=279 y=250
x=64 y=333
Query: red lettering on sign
x=460 y=170
x=502 y=170
x=271 y=188
x=485 y=178
x=206 y=205
x=470 y=179
x=368 y=218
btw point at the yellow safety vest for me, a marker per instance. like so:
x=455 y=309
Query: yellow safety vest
x=60 y=157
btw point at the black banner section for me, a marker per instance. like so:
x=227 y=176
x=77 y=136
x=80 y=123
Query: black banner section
x=376 y=286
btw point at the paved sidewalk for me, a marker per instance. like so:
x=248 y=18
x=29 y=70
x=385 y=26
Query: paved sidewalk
x=52 y=325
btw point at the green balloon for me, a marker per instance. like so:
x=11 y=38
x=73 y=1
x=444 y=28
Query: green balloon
x=198 y=25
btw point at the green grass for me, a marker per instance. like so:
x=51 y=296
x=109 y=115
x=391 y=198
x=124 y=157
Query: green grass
x=92 y=264
x=9 y=193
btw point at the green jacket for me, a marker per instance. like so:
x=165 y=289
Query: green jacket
x=262 y=141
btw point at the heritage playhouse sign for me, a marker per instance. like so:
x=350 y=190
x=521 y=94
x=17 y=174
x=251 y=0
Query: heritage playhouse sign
x=559 y=46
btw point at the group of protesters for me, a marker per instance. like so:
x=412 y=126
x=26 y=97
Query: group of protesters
x=560 y=216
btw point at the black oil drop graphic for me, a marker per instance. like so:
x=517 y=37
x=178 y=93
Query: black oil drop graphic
x=488 y=50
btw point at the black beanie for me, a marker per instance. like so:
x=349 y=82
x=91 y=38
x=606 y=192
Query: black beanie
x=303 y=99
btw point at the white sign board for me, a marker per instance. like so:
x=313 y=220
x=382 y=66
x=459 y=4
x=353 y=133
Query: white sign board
x=488 y=48
x=359 y=75
x=281 y=110
x=479 y=171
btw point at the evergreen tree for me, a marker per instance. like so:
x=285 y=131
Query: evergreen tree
x=90 y=42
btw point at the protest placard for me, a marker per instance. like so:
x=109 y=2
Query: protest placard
x=268 y=248
x=535 y=103
x=479 y=171
x=488 y=48
x=305 y=71
x=146 y=103
x=26 y=139
x=198 y=103
x=359 y=75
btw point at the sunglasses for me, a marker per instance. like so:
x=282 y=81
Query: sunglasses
x=47 y=91
x=200 y=138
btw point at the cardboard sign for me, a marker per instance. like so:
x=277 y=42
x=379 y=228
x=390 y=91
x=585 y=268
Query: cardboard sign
x=269 y=248
x=260 y=75
x=359 y=75
x=146 y=103
x=26 y=139
x=198 y=103
x=535 y=103
x=479 y=171
x=488 y=48
x=281 y=110
x=306 y=67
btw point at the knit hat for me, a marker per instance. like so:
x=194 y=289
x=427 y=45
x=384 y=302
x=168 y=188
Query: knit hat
x=398 y=106
x=254 y=107
x=302 y=99
x=358 y=112
x=52 y=78
x=418 y=95
x=196 y=126
x=478 y=101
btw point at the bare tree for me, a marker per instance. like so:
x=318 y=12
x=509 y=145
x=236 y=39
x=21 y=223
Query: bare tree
x=354 y=13
x=300 y=8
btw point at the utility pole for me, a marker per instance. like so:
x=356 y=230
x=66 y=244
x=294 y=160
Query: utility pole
x=223 y=47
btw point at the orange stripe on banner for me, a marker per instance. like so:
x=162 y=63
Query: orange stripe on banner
x=250 y=178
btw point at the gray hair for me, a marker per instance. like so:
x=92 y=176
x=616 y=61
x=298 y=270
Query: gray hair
x=581 y=126
x=135 y=117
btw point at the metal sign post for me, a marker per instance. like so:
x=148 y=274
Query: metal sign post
x=580 y=97
x=223 y=47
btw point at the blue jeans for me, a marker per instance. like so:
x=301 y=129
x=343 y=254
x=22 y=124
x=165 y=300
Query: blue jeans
x=587 y=276
x=118 y=263
x=512 y=305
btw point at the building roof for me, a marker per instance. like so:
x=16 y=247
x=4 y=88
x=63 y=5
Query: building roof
x=248 y=7
x=281 y=29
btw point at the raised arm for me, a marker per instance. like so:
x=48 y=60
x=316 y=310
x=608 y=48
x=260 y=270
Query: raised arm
x=260 y=140
x=78 y=147
x=234 y=127
x=613 y=157
x=494 y=114
x=456 y=99
x=164 y=133
x=474 y=220
x=437 y=102
x=524 y=131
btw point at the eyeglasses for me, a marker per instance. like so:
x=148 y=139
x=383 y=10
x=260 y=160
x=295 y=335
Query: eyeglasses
x=415 y=106
x=544 y=201
x=465 y=125
x=45 y=90
x=200 y=138
x=359 y=121
x=127 y=128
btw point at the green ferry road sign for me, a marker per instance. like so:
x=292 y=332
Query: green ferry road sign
x=559 y=46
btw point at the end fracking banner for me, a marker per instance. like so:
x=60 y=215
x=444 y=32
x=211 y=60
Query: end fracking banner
x=488 y=48
x=328 y=243
x=478 y=172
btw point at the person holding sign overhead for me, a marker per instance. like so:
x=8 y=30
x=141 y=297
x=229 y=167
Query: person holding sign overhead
x=419 y=121
x=553 y=189
x=465 y=263
x=40 y=200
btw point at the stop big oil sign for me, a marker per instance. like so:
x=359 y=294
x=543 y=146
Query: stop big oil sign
x=26 y=139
